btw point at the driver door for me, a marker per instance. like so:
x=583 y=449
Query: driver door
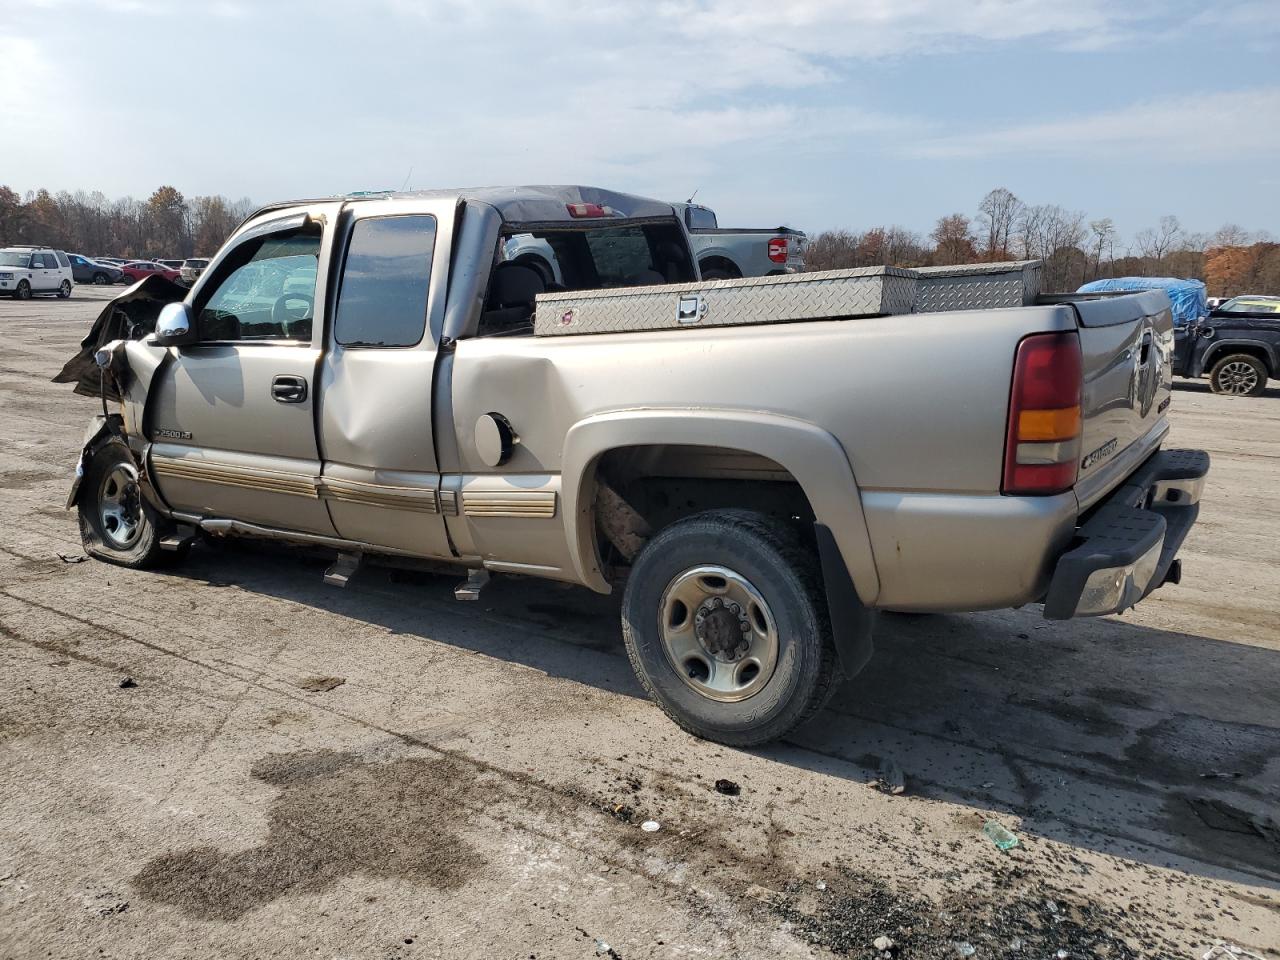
x=232 y=417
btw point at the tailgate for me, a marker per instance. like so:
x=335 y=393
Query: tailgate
x=1127 y=348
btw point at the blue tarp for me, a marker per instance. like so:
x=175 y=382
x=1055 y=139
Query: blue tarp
x=1187 y=296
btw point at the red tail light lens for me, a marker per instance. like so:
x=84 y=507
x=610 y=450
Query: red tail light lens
x=778 y=249
x=1042 y=444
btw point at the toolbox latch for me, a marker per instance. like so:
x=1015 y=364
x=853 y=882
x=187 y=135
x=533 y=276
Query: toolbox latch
x=690 y=309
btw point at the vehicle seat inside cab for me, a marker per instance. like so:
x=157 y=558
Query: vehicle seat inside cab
x=508 y=308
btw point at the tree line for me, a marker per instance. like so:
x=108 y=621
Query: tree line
x=1074 y=248
x=165 y=225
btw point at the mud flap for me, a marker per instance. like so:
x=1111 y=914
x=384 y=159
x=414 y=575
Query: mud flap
x=852 y=623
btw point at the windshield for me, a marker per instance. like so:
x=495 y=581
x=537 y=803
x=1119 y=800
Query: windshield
x=1240 y=305
x=12 y=258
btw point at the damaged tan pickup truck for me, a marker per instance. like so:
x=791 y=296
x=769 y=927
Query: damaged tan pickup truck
x=758 y=464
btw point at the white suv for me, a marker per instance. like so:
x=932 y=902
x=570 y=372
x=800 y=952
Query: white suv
x=25 y=271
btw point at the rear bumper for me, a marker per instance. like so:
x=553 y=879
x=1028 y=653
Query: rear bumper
x=1129 y=546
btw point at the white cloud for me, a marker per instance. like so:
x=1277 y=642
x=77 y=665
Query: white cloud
x=1175 y=129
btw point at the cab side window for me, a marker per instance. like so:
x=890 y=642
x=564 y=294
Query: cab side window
x=37 y=261
x=62 y=259
x=265 y=290
x=386 y=278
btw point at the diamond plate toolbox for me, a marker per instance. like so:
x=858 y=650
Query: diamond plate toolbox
x=977 y=286
x=825 y=295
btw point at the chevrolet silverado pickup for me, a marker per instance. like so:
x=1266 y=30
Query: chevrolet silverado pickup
x=753 y=463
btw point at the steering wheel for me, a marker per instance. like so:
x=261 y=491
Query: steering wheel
x=280 y=312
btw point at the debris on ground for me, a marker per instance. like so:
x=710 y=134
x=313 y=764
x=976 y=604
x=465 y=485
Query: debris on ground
x=651 y=826
x=821 y=884
x=1220 y=775
x=883 y=944
x=889 y=779
x=320 y=684
x=858 y=909
x=728 y=788
x=604 y=950
x=1221 y=950
x=128 y=683
x=997 y=834
x=72 y=557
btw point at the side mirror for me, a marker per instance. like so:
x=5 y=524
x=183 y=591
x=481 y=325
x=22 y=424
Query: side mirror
x=174 y=327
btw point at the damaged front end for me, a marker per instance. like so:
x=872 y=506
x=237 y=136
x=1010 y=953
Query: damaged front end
x=116 y=363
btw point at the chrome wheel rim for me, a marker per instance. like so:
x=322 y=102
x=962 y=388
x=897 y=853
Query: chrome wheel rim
x=718 y=633
x=1237 y=377
x=120 y=507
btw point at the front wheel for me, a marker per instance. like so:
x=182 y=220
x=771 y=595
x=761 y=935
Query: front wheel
x=100 y=279
x=116 y=522
x=23 y=291
x=726 y=627
x=1239 y=375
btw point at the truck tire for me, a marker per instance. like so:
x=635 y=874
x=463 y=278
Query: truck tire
x=116 y=522
x=726 y=627
x=1238 y=375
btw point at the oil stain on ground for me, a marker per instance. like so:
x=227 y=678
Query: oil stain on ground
x=335 y=816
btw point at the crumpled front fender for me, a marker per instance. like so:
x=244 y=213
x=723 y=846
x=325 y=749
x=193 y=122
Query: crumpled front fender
x=99 y=431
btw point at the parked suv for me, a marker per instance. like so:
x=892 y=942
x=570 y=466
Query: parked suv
x=84 y=270
x=191 y=270
x=26 y=271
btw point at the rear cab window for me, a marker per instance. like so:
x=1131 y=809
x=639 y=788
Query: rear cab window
x=595 y=256
x=700 y=218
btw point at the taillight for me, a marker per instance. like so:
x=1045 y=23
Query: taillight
x=580 y=210
x=1042 y=446
x=777 y=249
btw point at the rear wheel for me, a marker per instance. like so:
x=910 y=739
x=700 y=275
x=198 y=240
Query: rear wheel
x=726 y=627
x=1238 y=375
x=116 y=522
x=64 y=291
x=23 y=291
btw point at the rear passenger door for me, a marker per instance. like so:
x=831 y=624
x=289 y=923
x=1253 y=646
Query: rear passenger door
x=44 y=272
x=381 y=479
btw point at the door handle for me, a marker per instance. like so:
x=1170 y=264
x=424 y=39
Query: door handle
x=288 y=389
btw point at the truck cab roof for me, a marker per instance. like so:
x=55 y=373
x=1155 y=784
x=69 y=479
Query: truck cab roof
x=523 y=205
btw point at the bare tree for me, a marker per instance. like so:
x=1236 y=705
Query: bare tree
x=953 y=240
x=1104 y=238
x=998 y=213
x=1155 y=243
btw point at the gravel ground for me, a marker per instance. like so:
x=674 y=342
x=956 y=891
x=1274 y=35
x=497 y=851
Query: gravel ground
x=382 y=772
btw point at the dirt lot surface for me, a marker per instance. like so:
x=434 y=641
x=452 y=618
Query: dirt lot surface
x=296 y=770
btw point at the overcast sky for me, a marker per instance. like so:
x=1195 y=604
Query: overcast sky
x=816 y=113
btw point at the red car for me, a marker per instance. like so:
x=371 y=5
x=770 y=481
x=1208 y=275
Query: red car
x=136 y=270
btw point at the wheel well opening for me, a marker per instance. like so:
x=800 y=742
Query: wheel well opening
x=1250 y=350
x=642 y=489
x=719 y=263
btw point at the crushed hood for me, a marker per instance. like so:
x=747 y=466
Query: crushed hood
x=130 y=316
